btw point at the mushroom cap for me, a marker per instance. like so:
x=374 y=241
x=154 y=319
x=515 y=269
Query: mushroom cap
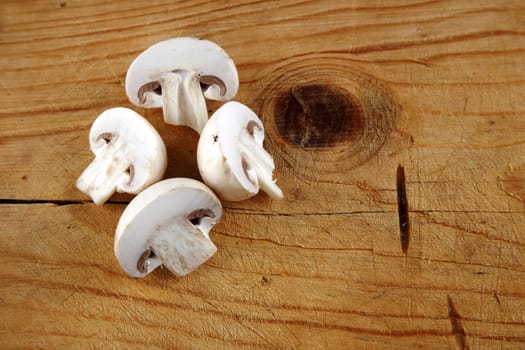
x=144 y=147
x=158 y=206
x=221 y=163
x=203 y=57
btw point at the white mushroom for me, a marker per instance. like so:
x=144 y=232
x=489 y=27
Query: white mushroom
x=167 y=224
x=231 y=157
x=129 y=155
x=176 y=74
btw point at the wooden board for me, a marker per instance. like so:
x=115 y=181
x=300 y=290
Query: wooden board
x=348 y=91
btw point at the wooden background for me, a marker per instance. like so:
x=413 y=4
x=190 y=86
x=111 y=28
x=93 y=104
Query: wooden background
x=433 y=85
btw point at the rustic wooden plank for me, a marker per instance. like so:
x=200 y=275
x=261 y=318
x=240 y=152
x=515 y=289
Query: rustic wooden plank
x=433 y=85
x=312 y=287
x=476 y=131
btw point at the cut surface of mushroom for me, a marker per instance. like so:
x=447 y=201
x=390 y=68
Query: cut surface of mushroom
x=177 y=75
x=167 y=224
x=231 y=157
x=129 y=155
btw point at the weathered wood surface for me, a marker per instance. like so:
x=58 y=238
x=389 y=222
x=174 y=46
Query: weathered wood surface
x=436 y=86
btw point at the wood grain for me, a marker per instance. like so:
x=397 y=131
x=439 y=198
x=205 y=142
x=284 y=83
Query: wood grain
x=435 y=86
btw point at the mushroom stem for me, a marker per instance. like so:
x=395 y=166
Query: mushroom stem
x=260 y=162
x=183 y=101
x=100 y=179
x=180 y=247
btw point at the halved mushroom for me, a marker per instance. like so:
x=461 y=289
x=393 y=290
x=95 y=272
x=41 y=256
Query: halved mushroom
x=176 y=74
x=129 y=155
x=167 y=224
x=231 y=157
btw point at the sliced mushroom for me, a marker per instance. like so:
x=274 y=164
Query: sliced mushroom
x=167 y=224
x=129 y=155
x=231 y=157
x=177 y=74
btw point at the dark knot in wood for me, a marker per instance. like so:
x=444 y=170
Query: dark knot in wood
x=316 y=115
x=324 y=113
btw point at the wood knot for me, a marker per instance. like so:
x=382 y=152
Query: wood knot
x=320 y=110
x=316 y=115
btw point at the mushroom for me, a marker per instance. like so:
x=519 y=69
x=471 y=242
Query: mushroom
x=177 y=74
x=129 y=155
x=167 y=224
x=231 y=157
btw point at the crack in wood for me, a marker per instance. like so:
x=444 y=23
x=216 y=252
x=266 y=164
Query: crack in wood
x=457 y=325
x=39 y=201
x=402 y=209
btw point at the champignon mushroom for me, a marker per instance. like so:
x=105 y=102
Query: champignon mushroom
x=167 y=224
x=176 y=74
x=231 y=157
x=129 y=155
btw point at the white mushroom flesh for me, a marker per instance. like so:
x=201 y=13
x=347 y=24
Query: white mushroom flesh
x=167 y=224
x=181 y=246
x=231 y=157
x=106 y=172
x=129 y=155
x=187 y=70
x=259 y=161
x=182 y=100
